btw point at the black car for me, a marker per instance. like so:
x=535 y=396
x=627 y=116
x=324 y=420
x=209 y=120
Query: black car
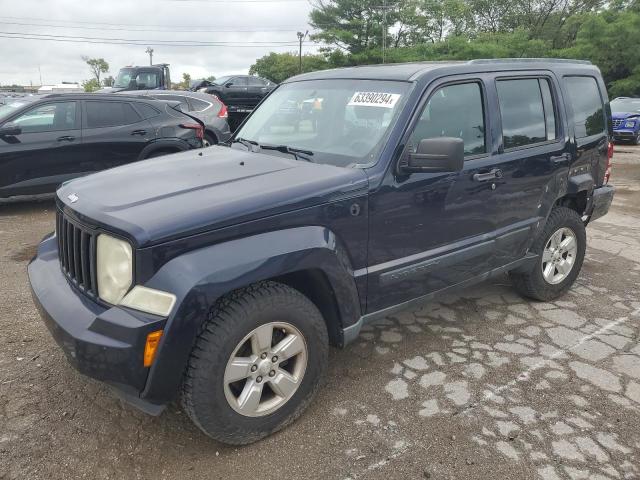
x=222 y=279
x=238 y=91
x=47 y=140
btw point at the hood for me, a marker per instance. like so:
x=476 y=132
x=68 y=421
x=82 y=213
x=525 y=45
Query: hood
x=177 y=195
x=624 y=115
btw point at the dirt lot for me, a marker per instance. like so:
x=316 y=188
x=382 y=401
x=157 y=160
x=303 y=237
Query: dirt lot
x=482 y=384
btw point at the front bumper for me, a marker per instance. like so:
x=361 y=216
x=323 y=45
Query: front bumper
x=105 y=343
x=602 y=198
x=625 y=134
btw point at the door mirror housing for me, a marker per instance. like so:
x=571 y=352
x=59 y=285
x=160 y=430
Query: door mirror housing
x=10 y=129
x=435 y=155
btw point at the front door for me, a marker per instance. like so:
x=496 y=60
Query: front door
x=429 y=231
x=46 y=153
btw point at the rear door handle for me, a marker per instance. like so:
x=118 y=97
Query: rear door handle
x=139 y=132
x=485 y=177
x=565 y=157
x=66 y=138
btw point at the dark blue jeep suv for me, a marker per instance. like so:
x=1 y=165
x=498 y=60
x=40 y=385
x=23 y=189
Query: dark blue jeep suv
x=625 y=113
x=222 y=276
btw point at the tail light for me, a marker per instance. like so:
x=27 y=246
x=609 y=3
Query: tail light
x=223 y=113
x=195 y=126
x=607 y=173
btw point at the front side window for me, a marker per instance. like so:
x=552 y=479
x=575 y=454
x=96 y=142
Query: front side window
x=342 y=121
x=239 y=81
x=526 y=108
x=47 y=118
x=588 y=110
x=256 y=82
x=110 y=114
x=454 y=111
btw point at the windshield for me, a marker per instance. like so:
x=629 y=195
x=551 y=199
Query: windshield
x=625 y=105
x=9 y=108
x=343 y=122
x=125 y=75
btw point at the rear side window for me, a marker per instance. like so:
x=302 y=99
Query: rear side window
x=147 y=111
x=110 y=114
x=588 y=110
x=454 y=111
x=256 y=82
x=197 y=105
x=184 y=106
x=526 y=108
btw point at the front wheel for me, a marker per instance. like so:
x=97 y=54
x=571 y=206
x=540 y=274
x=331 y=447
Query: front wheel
x=257 y=363
x=560 y=249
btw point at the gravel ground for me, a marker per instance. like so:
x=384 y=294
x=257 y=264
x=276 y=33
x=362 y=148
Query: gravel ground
x=482 y=384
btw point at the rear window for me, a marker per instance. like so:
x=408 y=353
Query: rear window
x=110 y=114
x=197 y=105
x=147 y=111
x=588 y=110
x=526 y=108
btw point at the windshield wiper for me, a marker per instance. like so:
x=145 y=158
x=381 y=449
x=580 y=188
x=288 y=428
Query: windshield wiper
x=298 y=153
x=245 y=142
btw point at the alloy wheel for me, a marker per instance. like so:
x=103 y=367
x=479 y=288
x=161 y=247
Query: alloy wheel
x=559 y=255
x=265 y=369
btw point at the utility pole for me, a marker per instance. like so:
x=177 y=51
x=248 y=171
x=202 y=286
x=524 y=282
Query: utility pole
x=384 y=28
x=301 y=37
x=149 y=50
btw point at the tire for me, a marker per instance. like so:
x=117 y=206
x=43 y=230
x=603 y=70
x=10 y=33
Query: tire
x=636 y=139
x=562 y=222
x=213 y=403
x=209 y=140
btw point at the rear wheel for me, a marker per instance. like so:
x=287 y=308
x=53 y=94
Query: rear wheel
x=257 y=363
x=208 y=140
x=560 y=249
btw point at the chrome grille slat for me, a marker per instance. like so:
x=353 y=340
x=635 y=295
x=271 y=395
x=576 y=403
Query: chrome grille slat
x=617 y=123
x=77 y=253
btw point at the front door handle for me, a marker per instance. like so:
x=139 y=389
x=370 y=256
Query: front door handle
x=66 y=138
x=565 y=157
x=485 y=177
x=139 y=132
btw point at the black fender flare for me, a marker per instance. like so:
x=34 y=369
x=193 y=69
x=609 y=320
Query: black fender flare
x=163 y=144
x=200 y=277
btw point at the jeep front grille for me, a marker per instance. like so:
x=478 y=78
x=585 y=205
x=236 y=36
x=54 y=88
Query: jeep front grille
x=77 y=253
x=617 y=123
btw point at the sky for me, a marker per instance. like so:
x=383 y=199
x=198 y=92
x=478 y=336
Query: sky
x=217 y=37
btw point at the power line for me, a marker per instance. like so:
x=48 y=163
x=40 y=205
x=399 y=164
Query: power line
x=140 y=43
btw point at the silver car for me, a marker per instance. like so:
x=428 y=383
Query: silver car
x=207 y=108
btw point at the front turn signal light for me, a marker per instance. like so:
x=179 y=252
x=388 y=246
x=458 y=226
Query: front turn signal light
x=151 y=347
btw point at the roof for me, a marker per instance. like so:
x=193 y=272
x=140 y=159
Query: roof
x=412 y=71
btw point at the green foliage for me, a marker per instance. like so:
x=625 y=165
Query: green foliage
x=626 y=87
x=277 y=67
x=186 y=82
x=91 y=85
x=108 y=81
x=98 y=66
x=210 y=78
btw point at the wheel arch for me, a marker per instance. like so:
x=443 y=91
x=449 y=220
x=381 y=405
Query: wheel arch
x=166 y=145
x=310 y=259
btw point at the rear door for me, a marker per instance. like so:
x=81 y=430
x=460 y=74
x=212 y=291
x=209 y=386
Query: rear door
x=114 y=133
x=430 y=231
x=257 y=89
x=46 y=153
x=586 y=99
x=236 y=91
x=532 y=153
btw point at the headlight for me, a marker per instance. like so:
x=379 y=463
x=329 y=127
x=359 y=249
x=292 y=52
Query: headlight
x=630 y=124
x=114 y=268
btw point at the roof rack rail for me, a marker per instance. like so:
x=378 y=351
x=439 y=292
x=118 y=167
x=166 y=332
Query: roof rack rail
x=517 y=60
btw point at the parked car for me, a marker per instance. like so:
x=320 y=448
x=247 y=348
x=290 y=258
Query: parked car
x=223 y=278
x=239 y=91
x=209 y=109
x=50 y=139
x=626 y=119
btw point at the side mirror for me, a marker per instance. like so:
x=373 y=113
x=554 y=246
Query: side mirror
x=433 y=155
x=10 y=130
x=228 y=84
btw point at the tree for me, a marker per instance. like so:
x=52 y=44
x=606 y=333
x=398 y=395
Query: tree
x=98 y=66
x=186 y=81
x=277 y=67
x=108 y=81
x=210 y=78
x=91 y=85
